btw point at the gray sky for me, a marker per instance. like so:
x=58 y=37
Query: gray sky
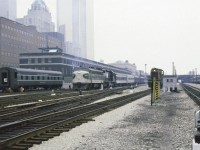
x=152 y=32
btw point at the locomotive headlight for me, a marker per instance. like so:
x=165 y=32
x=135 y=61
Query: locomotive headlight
x=73 y=76
x=86 y=76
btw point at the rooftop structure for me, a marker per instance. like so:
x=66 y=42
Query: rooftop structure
x=38 y=16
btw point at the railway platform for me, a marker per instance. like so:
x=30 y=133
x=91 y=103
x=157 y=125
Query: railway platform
x=166 y=125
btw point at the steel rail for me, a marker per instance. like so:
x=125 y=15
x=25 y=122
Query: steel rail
x=66 y=118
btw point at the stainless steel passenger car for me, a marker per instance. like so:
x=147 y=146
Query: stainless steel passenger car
x=15 y=78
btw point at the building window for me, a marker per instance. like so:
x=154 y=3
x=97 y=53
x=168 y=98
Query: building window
x=46 y=60
x=32 y=60
x=39 y=60
x=56 y=60
x=23 y=61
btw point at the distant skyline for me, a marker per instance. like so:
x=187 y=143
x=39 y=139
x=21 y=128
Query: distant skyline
x=155 y=32
x=24 y=5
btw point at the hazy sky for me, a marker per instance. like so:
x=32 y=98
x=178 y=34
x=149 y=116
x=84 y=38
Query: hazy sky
x=152 y=32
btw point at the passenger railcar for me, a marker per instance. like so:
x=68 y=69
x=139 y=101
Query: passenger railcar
x=15 y=78
x=125 y=79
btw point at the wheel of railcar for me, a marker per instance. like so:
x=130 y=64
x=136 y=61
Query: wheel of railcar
x=9 y=90
x=21 y=89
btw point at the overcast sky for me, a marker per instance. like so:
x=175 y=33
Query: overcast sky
x=152 y=32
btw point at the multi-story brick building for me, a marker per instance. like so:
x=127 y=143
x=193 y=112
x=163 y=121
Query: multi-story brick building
x=16 y=38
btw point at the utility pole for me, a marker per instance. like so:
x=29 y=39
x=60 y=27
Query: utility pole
x=196 y=74
x=145 y=76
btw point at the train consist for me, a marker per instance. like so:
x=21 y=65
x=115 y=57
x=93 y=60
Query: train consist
x=16 y=78
x=90 y=78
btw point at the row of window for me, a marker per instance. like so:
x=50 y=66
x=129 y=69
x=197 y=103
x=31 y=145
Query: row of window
x=169 y=80
x=130 y=78
x=15 y=38
x=121 y=78
x=8 y=64
x=27 y=77
x=9 y=54
x=16 y=30
x=60 y=60
x=12 y=45
x=24 y=33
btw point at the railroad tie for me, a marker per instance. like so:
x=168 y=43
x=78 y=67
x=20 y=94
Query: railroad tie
x=61 y=129
x=40 y=138
x=52 y=133
x=18 y=147
x=33 y=141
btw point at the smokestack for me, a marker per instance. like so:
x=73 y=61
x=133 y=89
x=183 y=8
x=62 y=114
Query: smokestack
x=172 y=68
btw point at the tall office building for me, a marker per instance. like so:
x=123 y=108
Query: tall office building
x=75 y=21
x=38 y=16
x=8 y=9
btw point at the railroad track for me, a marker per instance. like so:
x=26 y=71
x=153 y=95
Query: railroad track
x=30 y=98
x=13 y=115
x=192 y=92
x=23 y=134
x=16 y=99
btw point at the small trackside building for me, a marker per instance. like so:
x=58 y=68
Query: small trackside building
x=170 y=83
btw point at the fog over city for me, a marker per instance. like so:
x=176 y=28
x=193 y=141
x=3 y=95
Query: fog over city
x=154 y=32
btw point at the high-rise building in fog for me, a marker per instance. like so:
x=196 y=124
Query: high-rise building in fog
x=75 y=21
x=8 y=9
x=39 y=16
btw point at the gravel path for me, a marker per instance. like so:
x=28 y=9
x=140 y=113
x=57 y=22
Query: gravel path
x=167 y=125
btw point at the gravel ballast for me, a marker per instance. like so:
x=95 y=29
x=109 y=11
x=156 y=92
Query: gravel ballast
x=167 y=125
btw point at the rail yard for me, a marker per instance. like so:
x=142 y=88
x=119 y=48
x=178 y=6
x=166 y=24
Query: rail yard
x=118 y=118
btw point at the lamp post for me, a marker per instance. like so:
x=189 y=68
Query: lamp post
x=145 y=75
x=196 y=74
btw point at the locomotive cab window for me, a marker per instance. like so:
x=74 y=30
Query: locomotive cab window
x=15 y=75
x=4 y=78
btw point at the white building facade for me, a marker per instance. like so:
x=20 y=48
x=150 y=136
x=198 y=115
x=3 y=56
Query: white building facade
x=8 y=9
x=38 y=16
x=75 y=19
x=169 y=83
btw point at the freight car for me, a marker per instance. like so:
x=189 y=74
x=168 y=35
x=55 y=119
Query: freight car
x=16 y=78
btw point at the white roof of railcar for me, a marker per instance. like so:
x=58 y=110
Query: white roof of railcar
x=35 y=70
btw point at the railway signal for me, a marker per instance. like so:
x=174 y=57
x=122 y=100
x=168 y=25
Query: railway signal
x=155 y=83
